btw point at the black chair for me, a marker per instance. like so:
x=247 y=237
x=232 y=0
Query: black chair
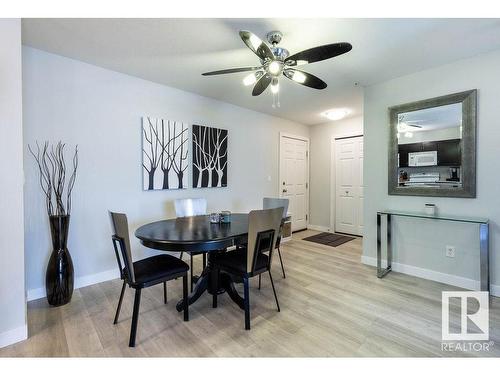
x=192 y=207
x=275 y=203
x=143 y=273
x=255 y=259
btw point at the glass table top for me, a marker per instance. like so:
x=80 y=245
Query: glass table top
x=463 y=219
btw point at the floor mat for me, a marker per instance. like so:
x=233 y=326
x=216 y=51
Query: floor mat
x=329 y=239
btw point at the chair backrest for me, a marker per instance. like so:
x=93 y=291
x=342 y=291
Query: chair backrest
x=121 y=239
x=263 y=228
x=190 y=207
x=275 y=203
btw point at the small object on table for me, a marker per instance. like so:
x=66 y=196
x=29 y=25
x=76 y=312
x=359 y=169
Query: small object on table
x=430 y=209
x=214 y=217
x=225 y=217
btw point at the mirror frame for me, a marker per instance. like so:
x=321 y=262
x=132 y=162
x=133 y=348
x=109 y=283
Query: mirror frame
x=468 y=167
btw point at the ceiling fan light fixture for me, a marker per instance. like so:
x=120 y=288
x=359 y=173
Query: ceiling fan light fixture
x=336 y=114
x=252 y=78
x=274 y=68
x=299 y=77
x=249 y=79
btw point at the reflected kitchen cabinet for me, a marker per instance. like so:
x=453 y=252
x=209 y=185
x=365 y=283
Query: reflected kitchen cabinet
x=448 y=152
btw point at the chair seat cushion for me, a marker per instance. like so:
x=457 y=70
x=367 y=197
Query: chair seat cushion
x=236 y=261
x=158 y=267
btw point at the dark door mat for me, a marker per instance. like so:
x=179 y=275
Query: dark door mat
x=329 y=239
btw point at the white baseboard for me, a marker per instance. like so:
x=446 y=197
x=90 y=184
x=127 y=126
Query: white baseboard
x=319 y=228
x=80 y=282
x=13 y=336
x=425 y=273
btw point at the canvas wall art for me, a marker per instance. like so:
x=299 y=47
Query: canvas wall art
x=164 y=154
x=209 y=157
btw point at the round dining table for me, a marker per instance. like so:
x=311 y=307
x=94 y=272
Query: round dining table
x=198 y=234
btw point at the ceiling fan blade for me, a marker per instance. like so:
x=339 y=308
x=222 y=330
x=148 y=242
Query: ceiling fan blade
x=233 y=70
x=261 y=84
x=253 y=42
x=320 y=53
x=305 y=79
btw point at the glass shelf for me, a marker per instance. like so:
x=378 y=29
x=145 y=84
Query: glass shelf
x=463 y=219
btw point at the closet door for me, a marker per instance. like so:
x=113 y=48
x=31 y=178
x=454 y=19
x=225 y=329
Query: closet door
x=349 y=185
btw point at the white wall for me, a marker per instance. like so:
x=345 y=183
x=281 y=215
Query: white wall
x=420 y=243
x=101 y=110
x=12 y=293
x=321 y=166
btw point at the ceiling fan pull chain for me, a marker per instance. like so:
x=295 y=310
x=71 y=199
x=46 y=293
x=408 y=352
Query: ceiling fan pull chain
x=276 y=100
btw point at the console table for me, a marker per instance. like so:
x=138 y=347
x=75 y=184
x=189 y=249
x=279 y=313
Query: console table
x=483 y=241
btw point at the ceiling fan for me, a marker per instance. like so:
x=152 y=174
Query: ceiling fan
x=409 y=123
x=276 y=61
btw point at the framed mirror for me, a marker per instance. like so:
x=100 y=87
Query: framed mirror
x=432 y=147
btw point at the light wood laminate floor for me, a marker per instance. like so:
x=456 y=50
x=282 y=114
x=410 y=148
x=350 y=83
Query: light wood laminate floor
x=331 y=305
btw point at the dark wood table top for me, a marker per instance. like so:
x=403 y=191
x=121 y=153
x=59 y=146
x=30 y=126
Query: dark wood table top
x=194 y=233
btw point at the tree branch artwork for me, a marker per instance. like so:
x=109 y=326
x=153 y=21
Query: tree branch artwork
x=51 y=164
x=209 y=157
x=165 y=151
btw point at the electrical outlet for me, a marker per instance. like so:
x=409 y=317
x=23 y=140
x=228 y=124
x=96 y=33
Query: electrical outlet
x=450 y=251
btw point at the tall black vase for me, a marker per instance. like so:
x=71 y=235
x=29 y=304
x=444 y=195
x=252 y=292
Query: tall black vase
x=59 y=276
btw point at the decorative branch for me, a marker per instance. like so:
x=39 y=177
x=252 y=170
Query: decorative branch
x=52 y=170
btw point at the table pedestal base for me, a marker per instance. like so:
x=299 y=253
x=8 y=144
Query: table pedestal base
x=226 y=284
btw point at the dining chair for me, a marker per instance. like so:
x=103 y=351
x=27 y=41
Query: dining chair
x=274 y=203
x=255 y=259
x=192 y=207
x=143 y=273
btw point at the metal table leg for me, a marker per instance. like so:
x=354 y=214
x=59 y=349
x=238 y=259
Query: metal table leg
x=380 y=271
x=484 y=257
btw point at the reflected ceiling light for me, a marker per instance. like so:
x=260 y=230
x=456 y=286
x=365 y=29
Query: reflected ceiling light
x=409 y=135
x=255 y=41
x=336 y=113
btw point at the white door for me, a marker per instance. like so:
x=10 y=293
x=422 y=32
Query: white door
x=294 y=178
x=349 y=185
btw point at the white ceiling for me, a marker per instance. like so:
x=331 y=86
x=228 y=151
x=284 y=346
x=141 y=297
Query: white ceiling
x=175 y=52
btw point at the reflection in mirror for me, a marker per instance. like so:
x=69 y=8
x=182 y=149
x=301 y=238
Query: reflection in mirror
x=430 y=147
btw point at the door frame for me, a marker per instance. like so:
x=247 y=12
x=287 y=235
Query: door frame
x=333 y=187
x=308 y=157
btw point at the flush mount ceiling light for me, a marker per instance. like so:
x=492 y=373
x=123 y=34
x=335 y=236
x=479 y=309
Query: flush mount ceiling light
x=336 y=113
x=276 y=61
